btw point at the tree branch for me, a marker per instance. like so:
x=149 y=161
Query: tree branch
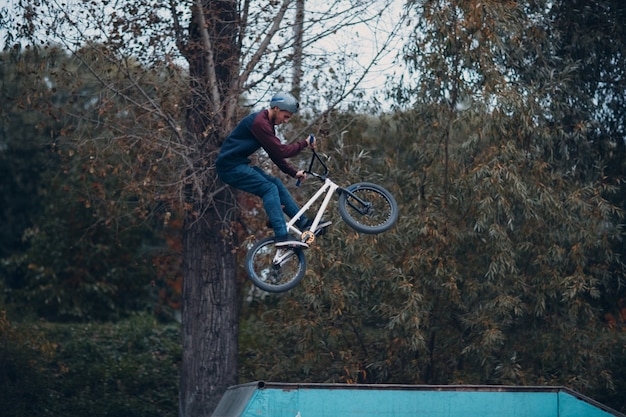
x=214 y=93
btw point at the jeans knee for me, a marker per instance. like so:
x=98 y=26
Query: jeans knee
x=270 y=194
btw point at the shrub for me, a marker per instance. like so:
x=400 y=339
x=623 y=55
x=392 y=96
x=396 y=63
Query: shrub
x=129 y=368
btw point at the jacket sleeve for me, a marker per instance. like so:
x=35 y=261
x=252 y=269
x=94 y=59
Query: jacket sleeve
x=277 y=151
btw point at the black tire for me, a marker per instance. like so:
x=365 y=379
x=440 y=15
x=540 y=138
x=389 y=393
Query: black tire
x=378 y=214
x=271 y=277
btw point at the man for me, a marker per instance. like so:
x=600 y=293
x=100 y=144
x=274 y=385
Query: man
x=255 y=131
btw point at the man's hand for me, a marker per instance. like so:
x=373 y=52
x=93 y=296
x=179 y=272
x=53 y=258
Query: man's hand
x=300 y=176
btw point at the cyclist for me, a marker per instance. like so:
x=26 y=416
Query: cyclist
x=255 y=131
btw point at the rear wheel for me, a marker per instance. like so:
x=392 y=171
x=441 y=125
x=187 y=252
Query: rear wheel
x=274 y=269
x=368 y=208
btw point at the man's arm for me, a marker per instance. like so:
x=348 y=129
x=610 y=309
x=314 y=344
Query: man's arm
x=263 y=131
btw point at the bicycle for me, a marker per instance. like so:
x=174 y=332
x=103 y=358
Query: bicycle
x=365 y=207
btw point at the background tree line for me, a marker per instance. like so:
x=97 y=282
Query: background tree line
x=505 y=150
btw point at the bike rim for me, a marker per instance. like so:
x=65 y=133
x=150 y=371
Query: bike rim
x=273 y=274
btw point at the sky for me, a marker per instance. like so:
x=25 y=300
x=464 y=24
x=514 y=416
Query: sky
x=360 y=39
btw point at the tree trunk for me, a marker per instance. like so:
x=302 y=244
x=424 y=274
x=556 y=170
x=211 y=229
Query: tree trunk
x=210 y=302
x=210 y=327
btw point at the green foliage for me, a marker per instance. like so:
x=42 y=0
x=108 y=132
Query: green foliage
x=507 y=255
x=89 y=274
x=495 y=278
x=506 y=156
x=25 y=151
x=130 y=368
x=88 y=243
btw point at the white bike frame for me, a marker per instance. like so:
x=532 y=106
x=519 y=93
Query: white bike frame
x=329 y=188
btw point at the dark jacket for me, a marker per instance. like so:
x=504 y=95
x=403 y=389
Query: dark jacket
x=253 y=132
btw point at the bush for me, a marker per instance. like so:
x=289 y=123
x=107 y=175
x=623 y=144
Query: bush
x=129 y=368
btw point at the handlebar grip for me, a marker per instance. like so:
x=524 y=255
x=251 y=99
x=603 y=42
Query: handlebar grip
x=298 y=182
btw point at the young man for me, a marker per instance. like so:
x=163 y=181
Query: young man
x=233 y=164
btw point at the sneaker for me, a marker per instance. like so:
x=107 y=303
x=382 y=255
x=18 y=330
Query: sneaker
x=289 y=242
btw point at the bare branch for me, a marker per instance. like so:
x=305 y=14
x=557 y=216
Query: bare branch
x=210 y=57
x=262 y=47
x=178 y=30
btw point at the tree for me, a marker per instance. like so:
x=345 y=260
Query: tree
x=77 y=253
x=523 y=236
x=230 y=49
x=510 y=237
x=24 y=154
x=591 y=37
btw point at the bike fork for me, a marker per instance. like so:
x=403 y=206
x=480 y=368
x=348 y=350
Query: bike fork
x=365 y=207
x=280 y=257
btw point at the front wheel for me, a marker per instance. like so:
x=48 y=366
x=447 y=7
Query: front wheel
x=368 y=208
x=274 y=269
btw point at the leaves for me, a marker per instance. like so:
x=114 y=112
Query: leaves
x=505 y=154
x=507 y=251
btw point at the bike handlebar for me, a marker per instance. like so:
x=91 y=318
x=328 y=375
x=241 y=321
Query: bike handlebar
x=314 y=157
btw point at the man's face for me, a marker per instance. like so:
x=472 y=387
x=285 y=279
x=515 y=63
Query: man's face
x=282 y=116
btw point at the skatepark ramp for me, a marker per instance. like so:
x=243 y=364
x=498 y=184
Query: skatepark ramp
x=270 y=399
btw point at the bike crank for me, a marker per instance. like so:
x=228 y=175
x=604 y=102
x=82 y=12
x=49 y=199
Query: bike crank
x=307 y=237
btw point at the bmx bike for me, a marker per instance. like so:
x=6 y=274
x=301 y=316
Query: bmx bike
x=365 y=207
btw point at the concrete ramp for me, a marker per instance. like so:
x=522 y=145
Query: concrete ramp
x=270 y=399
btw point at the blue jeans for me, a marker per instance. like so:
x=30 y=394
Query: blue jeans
x=276 y=197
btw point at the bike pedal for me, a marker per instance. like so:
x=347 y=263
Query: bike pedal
x=291 y=244
x=322 y=228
